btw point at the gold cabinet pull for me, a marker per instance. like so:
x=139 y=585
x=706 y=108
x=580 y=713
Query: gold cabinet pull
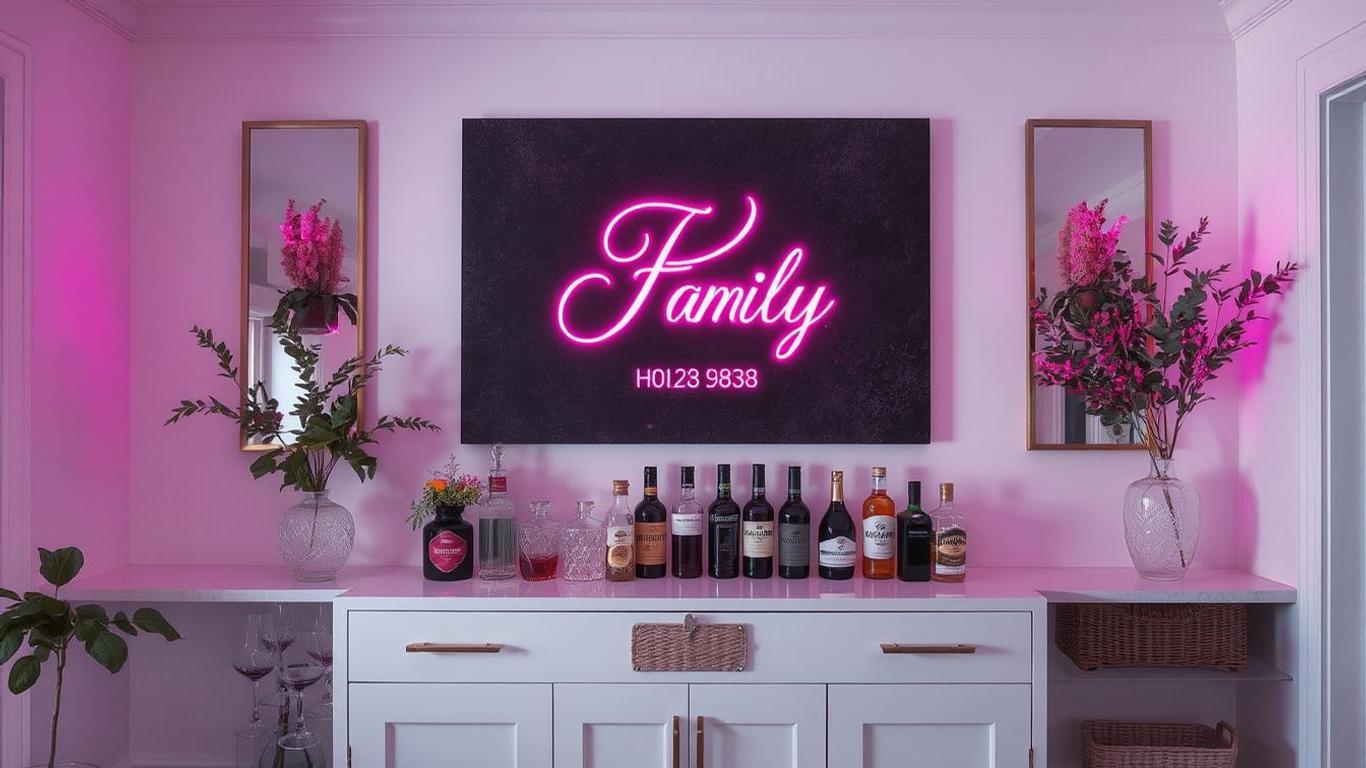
x=454 y=647
x=700 y=757
x=678 y=726
x=929 y=648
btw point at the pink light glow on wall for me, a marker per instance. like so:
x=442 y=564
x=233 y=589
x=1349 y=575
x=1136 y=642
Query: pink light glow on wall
x=764 y=302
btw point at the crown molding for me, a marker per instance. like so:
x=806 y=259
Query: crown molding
x=121 y=16
x=1244 y=15
x=162 y=20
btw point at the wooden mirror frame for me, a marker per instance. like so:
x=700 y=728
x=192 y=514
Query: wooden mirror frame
x=362 y=163
x=1030 y=125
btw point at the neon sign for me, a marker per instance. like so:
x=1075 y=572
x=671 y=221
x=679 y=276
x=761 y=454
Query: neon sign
x=777 y=299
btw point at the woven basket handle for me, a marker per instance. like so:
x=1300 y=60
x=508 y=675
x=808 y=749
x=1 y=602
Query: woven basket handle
x=1223 y=730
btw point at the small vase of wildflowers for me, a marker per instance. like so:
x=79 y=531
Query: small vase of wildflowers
x=448 y=540
x=1142 y=353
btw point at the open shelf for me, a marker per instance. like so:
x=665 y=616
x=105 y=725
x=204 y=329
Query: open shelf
x=215 y=584
x=1062 y=670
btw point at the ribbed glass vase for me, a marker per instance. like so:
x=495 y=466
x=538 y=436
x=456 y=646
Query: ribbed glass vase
x=1161 y=524
x=316 y=536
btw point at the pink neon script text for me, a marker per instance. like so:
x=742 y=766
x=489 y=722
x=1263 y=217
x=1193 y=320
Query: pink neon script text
x=771 y=300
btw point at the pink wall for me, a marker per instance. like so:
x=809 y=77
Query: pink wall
x=192 y=498
x=80 y=101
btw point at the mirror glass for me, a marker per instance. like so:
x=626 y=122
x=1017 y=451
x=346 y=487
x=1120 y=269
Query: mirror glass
x=1070 y=161
x=306 y=162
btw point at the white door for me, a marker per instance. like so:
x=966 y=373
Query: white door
x=758 y=726
x=930 y=726
x=450 y=725
x=621 y=726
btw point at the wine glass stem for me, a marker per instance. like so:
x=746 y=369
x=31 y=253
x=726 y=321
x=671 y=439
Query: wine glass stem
x=328 y=684
x=256 y=700
x=299 y=721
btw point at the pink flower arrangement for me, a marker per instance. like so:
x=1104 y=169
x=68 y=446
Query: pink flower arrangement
x=313 y=249
x=1136 y=358
x=1086 y=249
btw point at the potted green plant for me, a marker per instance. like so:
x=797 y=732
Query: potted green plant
x=50 y=627
x=316 y=535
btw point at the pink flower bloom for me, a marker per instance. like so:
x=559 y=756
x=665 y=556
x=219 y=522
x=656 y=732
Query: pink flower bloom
x=313 y=250
x=1086 y=250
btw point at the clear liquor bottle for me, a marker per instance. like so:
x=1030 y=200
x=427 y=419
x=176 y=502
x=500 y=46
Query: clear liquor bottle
x=621 y=535
x=497 y=526
x=585 y=539
x=950 y=538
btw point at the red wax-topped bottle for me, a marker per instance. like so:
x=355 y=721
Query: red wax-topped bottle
x=448 y=546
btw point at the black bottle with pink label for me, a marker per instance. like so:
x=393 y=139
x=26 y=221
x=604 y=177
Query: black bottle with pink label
x=448 y=546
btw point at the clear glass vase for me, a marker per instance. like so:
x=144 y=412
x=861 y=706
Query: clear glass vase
x=316 y=536
x=1161 y=524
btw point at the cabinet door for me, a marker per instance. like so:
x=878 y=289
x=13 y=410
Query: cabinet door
x=930 y=726
x=449 y=725
x=620 y=726
x=758 y=726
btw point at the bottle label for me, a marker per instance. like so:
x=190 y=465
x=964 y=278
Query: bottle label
x=687 y=524
x=620 y=545
x=839 y=552
x=650 y=543
x=446 y=551
x=951 y=552
x=879 y=537
x=758 y=538
x=794 y=545
x=498 y=484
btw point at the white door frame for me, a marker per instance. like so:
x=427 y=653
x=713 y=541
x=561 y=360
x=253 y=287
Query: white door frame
x=1318 y=74
x=15 y=275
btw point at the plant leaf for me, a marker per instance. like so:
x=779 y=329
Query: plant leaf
x=151 y=620
x=60 y=567
x=9 y=644
x=121 y=621
x=107 y=648
x=9 y=593
x=24 y=674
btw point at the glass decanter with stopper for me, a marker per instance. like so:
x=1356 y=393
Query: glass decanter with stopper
x=538 y=544
x=497 y=526
x=585 y=539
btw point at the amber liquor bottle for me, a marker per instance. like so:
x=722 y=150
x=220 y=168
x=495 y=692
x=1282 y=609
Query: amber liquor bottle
x=879 y=530
x=651 y=530
x=950 y=538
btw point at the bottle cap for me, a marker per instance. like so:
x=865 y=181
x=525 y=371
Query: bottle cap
x=621 y=487
x=879 y=471
x=757 y=475
x=723 y=474
x=913 y=492
x=946 y=491
x=837 y=476
x=651 y=477
x=689 y=477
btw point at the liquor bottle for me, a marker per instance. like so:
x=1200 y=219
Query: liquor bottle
x=447 y=543
x=685 y=540
x=950 y=538
x=585 y=539
x=652 y=522
x=758 y=529
x=794 y=531
x=723 y=529
x=497 y=526
x=538 y=544
x=879 y=530
x=914 y=538
x=621 y=535
x=837 y=550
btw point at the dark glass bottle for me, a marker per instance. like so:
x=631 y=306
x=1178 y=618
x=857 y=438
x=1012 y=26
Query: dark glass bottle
x=685 y=538
x=758 y=530
x=448 y=546
x=794 y=531
x=723 y=529
x=838 y=552
x=652 y=522
x=914 y=538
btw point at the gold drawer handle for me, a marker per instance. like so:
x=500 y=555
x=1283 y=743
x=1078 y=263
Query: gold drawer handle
x=454 y=647
x=931 y=648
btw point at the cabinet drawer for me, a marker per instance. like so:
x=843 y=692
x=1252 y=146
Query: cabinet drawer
x=826 y=647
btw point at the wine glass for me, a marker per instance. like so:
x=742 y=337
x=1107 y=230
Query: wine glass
x=254 y=661
x=317 y=642
x=278 y=634
x=297 y=670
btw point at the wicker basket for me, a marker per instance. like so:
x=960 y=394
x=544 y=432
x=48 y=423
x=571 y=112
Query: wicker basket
x=1099 y=635
x=1109 y=744
x=689 y=647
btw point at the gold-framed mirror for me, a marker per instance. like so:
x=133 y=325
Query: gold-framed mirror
x=304 y=161
x=1068 y=162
